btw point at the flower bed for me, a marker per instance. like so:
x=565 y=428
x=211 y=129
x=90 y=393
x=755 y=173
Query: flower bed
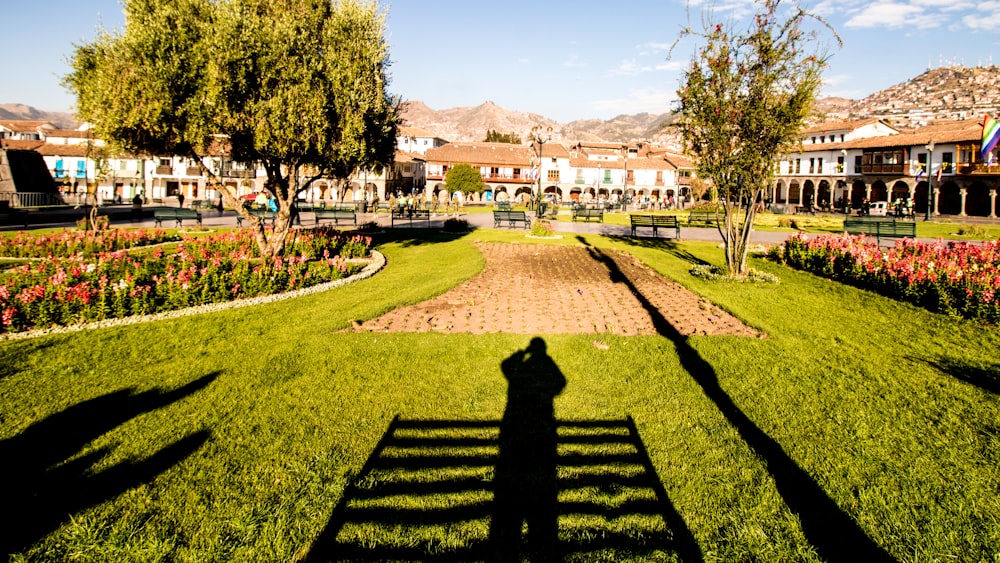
x=954 y=278
x=79 y=287
x=71 y=242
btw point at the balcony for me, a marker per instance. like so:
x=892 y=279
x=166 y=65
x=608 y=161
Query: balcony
x=192 y=171
x=978 y=168
x=883 y=169
x=164 y=170
x=247 y=173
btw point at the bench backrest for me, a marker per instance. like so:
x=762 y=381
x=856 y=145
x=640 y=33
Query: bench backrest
x=641 y=220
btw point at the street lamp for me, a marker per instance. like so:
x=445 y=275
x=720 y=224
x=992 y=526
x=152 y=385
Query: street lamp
x=540 y=137
x=930 y=179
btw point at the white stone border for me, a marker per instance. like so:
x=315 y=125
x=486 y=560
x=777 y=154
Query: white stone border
x=378 y=262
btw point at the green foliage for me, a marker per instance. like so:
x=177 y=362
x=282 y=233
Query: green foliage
x=493 y=136
x=885 y=407
x=745 y=98
x=298 y=86
x=464 y=178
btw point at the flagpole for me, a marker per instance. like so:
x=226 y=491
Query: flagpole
x=930 y=179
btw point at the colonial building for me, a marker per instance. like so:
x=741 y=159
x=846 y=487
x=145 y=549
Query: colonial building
x=892 y=165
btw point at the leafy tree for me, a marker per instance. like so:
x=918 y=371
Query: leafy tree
x=493 y=136
x=296 y=86
x=742 y=106
x=463 y=178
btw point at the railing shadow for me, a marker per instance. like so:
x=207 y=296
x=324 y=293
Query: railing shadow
x=43 y=482
x=831 y=531
x=430 y=491
x=986 y=378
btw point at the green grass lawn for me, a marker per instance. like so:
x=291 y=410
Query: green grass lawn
x=858 y=429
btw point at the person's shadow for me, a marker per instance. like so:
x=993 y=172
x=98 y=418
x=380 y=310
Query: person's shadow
x=525 y=484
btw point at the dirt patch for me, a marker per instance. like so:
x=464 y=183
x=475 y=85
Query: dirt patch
x=542 y=289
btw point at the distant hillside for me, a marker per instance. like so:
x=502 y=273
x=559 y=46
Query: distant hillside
x=469 y=124
x=953 y=92
x=61 y=120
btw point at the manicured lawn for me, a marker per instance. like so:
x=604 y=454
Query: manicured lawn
x=859 y=429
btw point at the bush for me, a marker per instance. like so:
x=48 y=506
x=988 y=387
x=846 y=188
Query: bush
x=541 y=228
x=455 y=225
x=955 y=278
x=85 y=287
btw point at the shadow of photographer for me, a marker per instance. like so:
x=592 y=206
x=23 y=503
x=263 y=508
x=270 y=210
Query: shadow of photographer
x=525 y=486
x=42 y=483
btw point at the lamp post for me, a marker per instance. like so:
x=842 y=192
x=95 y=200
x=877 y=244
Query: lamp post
x=539 y=137
x=930 y=179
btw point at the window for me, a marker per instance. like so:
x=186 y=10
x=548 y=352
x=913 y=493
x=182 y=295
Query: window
x=947 y=162
x=922 y=161
x=840 y=165
x=857 y=164
x=812 y=165
x=819 y=165
x=553 y=175
x=798 y=165
x=607 y=176
x=164 y=162
x=841 y=138
x=814 y=140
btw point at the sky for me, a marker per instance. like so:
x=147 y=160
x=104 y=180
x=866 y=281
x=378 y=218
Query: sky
x=563 y=60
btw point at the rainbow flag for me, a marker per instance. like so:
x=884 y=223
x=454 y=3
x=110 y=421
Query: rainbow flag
x=991 y=134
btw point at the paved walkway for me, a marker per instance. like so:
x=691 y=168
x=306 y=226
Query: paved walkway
x=121 y=216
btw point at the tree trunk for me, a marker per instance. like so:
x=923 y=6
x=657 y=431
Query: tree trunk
x=735 y=228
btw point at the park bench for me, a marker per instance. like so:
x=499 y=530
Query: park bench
x=588 y=213
x=264 y=215
x=510 y=218
x=706 y=218
x=177 y=214
x=10 y=216
x=336 y=215
x=503 y=205
x=410 y=215
x=656 y=222
x=880 y=228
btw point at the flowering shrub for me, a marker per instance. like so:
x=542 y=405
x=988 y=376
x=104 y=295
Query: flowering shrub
x=112 y=284
x=69 y=242
x=954 y=278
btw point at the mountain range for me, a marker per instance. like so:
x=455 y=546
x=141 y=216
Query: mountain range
x=950 y=92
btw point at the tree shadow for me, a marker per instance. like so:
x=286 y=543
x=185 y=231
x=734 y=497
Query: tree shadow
x=418 y=236
x=669 y=246
x=527 y=487
x=831 y=531
x=986 y=378
x=44 y=481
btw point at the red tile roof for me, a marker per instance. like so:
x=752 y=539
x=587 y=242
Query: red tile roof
x=482 y=154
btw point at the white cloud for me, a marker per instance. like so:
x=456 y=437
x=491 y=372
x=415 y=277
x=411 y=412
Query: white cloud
x=982 y=22
x=574 y=62
x=894 y=15
x=640 y=100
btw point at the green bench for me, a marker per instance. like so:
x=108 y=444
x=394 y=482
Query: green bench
x=706 y=218
x=264 y=215
x=880 y=228
x=177 y=214
x=588 y=213
x=510 y=218
x=12 y=217
x=336 y=215
x=409 y=216
x=656 y=222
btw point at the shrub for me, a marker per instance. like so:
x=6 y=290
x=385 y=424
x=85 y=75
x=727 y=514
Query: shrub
x=455 y=225
x=86 y=287
x=955 y=278
x=541 y=228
